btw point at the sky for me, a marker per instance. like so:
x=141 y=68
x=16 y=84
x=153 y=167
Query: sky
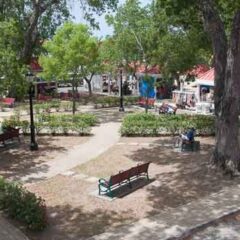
x=104 y=28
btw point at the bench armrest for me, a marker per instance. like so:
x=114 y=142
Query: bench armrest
x=103 y=181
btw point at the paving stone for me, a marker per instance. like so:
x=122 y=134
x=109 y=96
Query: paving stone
x=133 y=144
x=91 y=179
x=80 y=176
x=9 y=232
x=178 y=221
x=68 y=173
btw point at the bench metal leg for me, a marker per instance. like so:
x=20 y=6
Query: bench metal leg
x=110 y=193
x=147 y=177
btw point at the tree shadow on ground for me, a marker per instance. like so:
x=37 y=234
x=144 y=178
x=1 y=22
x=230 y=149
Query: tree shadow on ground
x=182 y=176
x=124 y=189
x=66 y=223
x=17 y=160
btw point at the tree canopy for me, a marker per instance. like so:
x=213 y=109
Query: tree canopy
x=25 y=25
x=147 y=34
x=71 y=54
x=38 y=20
x=132 y=27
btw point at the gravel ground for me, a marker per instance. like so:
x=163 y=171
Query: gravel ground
x=16 y=160
x=176 y=179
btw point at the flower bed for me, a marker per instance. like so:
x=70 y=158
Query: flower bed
x=56 y=124
x=152 y=125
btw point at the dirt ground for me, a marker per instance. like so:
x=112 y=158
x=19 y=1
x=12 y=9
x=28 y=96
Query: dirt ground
x=16 y=159
x=176 y=178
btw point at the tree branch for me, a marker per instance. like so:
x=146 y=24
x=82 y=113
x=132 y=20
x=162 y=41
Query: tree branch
x=31 y=33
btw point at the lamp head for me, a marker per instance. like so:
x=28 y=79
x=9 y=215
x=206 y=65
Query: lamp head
x=30 y=76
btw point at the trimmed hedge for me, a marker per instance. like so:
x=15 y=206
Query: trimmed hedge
x=109 y=101
x=22 y=205
x=56 y=124
x=142 y=124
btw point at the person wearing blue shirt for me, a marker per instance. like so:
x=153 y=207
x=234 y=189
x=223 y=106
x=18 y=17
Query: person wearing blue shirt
x=189 y=136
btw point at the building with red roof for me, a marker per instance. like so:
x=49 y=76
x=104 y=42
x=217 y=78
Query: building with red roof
x=207 y=78
x=205 y=86
x=198 y=70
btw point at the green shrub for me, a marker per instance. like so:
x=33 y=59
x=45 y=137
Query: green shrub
x=87 y=118
x=25 y=126
x=55 y=104
x=38 y=108
x=46 y=107
x=39 y=126
x=16 y=123
x=43 y=117
x=82 y=128
x=61 y=124
x=66 y=127
x=110 y=101
x=152 y=125
x=67 y=106
x=107 y=101
x=130 y=100
x=54 y=126
x=11 y=122
x=22 y=205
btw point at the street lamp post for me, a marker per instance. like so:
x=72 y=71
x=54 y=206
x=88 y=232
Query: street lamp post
x=121 y=108
x=33 y=144
x=122 y=65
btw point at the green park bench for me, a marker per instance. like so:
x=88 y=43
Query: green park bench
x=106 y=186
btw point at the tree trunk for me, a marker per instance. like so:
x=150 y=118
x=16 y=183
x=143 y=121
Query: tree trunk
x=89 y=88
x=146 y=105
x=226 y=93
x=89 y=84
x=227 y=150
x=73 y=99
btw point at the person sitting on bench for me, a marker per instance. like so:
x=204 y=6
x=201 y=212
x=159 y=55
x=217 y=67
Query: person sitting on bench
x=189 y=136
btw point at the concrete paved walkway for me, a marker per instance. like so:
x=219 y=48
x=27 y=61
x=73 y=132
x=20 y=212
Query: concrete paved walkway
x=104 y=136
x=178 y=221
x=9 y=232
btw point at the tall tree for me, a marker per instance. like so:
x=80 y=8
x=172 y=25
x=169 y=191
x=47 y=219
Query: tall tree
x=221 y=20
x=70 y=55
x=11 y=72
x=178 y=48
x=132 y=29
x=34 y=21
x=178 y=51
